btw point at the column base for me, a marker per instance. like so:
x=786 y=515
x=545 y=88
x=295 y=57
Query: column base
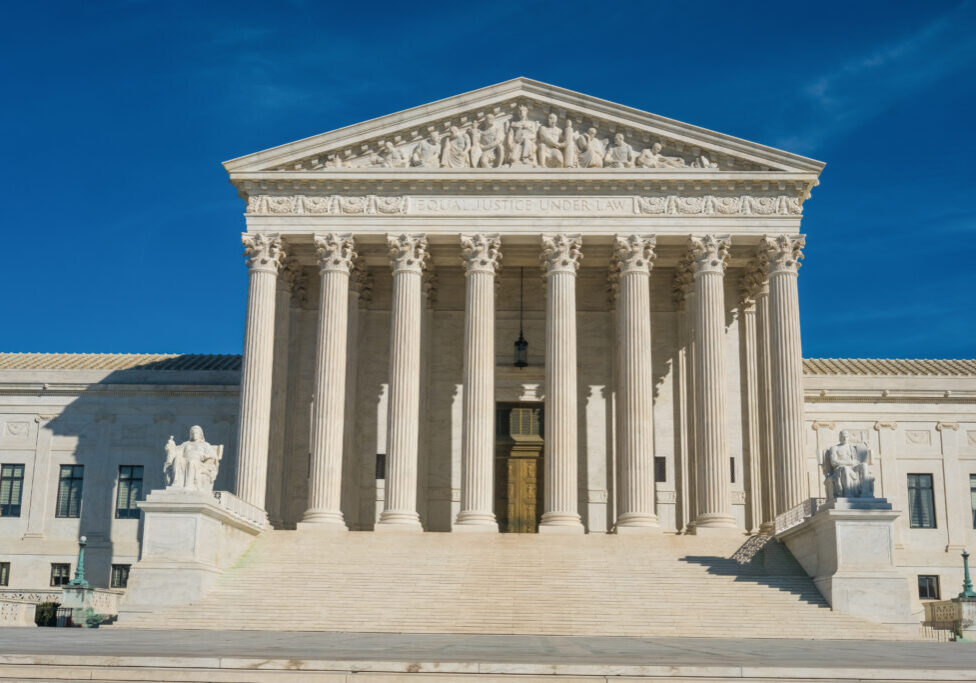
x=392 y=520
x=767 y=529
x=561 y=523
x=715 y=524
x=322 y=519
x=636 y=523
x=475 y=521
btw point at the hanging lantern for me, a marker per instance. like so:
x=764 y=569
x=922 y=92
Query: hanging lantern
x=521 y=346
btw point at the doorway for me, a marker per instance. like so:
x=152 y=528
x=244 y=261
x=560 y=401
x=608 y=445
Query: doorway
x=518 y=467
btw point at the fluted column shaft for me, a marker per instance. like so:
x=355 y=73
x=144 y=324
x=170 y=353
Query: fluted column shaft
x=336 y=253
x=753 y=453
x=408 y=254
x=290 y=271
x=264 y=257
x=481 y=258
x=784 y=253
x=561 y=256
x=633 y=256
x=714 y=497
x=764 y=372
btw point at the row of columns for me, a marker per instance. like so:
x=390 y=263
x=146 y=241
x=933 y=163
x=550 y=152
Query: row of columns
x=700 y=279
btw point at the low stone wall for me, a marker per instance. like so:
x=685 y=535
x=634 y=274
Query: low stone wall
x=17 y=613
x=36 y=596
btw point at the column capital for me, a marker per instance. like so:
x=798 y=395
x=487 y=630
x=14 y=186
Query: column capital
x=264 y=251
x=408 y=252
x=360 y=279
x=709 y=253
x=290 y=274
x=823 y=424
x=684 y=279
x=561 y=253
x=336 y=251
x=941 y=426
x=633 y=254
x=755 y=279
x=881 y=424
x=481 y=253
x=783 y=253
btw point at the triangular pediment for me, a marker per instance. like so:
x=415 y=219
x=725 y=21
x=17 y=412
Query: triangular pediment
x=521 y=125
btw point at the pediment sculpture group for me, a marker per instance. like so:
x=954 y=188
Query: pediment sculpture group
x=520 y=142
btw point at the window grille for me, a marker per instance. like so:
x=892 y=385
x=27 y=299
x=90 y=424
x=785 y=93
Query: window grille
x=120 y=575
x=928 y=587
x=4 y=573
x=660 y=468
x=69 y=491
x=921 y=501
x=130 y=491
x=524 y=422
x=11 y=489
x=60 y=573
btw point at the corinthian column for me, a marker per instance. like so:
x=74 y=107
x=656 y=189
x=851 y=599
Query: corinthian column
x=786 y=362
x=632 y=259
x=764 y=372
x=709 y=254
x=290 y=272
x=481 y=260
x=561 y=258
x=336 y=254
x=264 y=257
x=408 y=256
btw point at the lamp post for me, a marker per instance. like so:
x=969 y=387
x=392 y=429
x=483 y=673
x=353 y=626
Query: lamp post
x=79 y=579
x=521 y=345
x=967 y=583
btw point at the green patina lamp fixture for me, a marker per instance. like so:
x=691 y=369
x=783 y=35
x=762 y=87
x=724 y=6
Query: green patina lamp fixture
x=79 y=579
x=521 y=346
x=967 y=583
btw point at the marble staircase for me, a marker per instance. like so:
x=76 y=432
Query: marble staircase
x=596 y=584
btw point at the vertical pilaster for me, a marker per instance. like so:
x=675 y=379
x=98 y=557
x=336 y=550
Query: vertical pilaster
x=958 y=513
x=632 y=260
x=786 y=362
x=336 y=254
x=753 y=455
x=408 y=257
x=290 y=271
x=561 y=257
x=767 y=468
x=265 y=254
x=710 y=254
x=888 y=462
x=482 y=256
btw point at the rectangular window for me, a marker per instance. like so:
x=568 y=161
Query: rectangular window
x=928 y=587
x=732 y=468
x=11 y=489
x=972 y=496
x=60 y=573
x=120 y=575
x=921 y=501
x=130 y=490
x=69 y=491
x=660 y=468
x=4 y=573
x=381 y=465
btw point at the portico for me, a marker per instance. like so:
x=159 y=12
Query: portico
x=641 y=276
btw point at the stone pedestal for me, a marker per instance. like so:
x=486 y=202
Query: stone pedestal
x=965 y=618
x=847 y=547
x=189 y=537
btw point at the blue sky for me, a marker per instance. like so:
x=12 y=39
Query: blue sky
x=122 y=232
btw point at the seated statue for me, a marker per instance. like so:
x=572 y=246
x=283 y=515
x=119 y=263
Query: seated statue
x=846 y=470
x=193 y=464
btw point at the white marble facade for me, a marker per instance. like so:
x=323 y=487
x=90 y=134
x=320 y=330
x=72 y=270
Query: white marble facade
x=653 y=268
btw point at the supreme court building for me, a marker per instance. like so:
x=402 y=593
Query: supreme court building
x=516 y=310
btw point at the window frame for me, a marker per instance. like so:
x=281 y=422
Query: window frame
x=5 y=507
x=133 y=511
x=72 y=481
x=931 y=580
x=931 y=494
x=4 y=573
x=64 y=579
x=972 y=496
x=123 y=571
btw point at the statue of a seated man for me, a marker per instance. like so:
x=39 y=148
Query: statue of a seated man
x=846 y=470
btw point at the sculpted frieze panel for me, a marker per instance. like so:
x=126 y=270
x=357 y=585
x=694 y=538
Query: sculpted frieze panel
x=657 y=205
x=522 y=135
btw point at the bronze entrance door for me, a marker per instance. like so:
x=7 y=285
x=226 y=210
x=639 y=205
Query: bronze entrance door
x=518 y=467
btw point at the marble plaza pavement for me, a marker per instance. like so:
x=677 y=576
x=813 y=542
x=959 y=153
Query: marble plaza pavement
x=190 y=655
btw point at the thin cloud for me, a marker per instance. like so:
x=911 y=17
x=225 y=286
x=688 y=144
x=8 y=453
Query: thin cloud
x=863 y=87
